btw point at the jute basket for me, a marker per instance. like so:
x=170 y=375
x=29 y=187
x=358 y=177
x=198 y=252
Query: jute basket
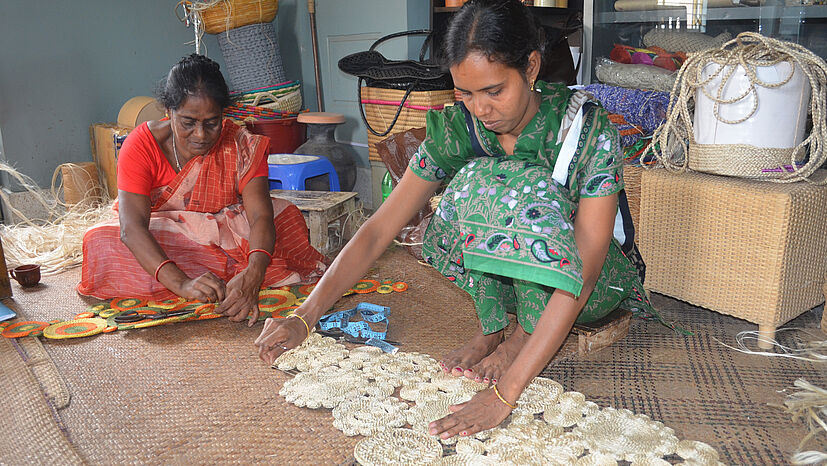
x=382 y=104
x=747 y=248
x=222 y=15
x=252 y=56
x=285 y=97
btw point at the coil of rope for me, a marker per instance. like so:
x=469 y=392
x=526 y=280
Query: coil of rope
x=674 y=139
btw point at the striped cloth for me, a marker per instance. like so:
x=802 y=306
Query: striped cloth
x=200 y=223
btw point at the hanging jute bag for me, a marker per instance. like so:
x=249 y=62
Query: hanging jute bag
x=397 y=94
x=751 y=98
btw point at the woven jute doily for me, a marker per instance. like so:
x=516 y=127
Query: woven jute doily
x=549 y=426
x=397 y=446
x=369 y=416
x=622 y=434
x=468 y=459
x=314 y=352
x=697 y=452
x=323 y=389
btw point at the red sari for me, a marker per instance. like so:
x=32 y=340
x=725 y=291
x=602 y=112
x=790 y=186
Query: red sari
x=199 y=221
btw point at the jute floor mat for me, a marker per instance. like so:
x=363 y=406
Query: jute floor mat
x=196 y=392
x=30 y=428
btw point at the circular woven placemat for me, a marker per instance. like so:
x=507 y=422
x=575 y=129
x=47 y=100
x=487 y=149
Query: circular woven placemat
x=397 y=446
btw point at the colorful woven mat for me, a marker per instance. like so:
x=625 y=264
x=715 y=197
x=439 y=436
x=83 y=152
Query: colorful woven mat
x=130 y=313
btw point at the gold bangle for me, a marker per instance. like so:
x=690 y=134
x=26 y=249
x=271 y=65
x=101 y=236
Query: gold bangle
x=307 y=327
x=497 y=392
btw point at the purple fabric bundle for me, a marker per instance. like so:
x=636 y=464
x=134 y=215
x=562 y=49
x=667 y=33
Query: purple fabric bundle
x=642 y=108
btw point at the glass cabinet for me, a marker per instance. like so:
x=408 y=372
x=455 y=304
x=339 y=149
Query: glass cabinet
x=610 y=22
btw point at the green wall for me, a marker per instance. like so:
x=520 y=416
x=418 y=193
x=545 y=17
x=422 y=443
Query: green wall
x=65 y=65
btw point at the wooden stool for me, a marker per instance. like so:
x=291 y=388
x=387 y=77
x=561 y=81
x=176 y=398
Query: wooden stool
x=320 y=209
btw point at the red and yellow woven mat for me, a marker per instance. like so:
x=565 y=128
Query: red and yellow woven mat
x=130 y=313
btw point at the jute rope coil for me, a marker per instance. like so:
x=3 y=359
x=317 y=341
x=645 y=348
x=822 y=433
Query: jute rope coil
x=674 y=143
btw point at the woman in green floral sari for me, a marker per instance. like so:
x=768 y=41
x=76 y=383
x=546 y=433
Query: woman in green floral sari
x=525 y=225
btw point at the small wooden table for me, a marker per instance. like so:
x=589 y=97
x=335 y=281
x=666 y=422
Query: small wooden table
x=320 y=209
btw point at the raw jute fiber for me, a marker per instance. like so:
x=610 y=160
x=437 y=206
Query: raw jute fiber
x=674 y=143
x=55 y=242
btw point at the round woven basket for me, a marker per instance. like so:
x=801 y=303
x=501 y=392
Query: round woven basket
x=223 y=15
x=284 y=97
x=252 y=56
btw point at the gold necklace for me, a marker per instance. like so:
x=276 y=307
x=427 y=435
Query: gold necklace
x=175 y=151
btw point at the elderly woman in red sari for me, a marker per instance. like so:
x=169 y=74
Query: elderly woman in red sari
x=194 y=215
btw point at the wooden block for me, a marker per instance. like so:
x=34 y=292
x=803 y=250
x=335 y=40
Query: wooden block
x=598 y=335
x=588 y=338
x=5 y=282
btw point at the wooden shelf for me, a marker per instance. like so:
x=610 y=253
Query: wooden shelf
x=451 y=9
x=715 y=14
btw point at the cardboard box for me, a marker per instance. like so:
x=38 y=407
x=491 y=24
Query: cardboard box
x=106 y=140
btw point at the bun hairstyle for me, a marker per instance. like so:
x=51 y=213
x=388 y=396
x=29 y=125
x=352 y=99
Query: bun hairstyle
x=193 y=75
x=504 y=31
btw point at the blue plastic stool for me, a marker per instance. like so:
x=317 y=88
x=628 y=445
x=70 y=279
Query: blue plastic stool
x=291 y=171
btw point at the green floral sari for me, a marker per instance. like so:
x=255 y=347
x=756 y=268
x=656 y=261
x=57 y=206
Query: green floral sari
x=504 y=230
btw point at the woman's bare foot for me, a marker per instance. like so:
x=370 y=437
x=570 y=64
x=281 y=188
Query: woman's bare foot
x=493 y=366
x=471 y=353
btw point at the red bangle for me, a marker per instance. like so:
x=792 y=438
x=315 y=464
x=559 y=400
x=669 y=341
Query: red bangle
x=259 y=250
x=158 y=269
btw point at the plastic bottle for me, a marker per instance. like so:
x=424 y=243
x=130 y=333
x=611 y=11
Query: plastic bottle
x=387 y=186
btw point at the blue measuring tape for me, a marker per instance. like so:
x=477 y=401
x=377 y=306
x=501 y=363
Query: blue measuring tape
x=369 y=312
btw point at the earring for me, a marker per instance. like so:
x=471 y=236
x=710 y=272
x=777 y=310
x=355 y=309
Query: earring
x=531 y=85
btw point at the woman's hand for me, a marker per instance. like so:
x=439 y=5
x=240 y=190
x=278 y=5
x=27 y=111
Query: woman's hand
x=206 y=288
x=241 y=298
x=482 y=412
x=278 y=336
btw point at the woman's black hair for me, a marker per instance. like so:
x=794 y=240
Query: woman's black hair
x=193 y=75
x=504 y=31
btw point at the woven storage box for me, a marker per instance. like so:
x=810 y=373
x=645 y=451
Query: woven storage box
x=381 y=106
x=752 y=249
x=252 y=56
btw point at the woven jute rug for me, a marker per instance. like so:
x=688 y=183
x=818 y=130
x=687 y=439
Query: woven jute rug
x=196 y=392
x=31 y=430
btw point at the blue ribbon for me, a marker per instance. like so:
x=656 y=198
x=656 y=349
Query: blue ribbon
x=369 y=313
